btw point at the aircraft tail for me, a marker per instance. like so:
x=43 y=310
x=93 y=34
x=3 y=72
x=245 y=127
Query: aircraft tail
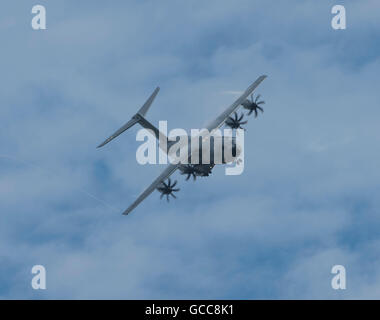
x=139 y=117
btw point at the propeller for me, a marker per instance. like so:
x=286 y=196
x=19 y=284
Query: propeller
x=200 y=170
x=189 y=170
x=167 y=189
x=203 y=170
x=236 y=121
x=253 y=105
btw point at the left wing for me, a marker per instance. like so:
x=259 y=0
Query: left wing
x=218 y=122
x=165 y=174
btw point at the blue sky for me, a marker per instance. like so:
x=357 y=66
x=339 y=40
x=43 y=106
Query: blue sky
x=308 y=198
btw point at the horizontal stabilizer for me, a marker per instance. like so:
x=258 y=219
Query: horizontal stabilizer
x=136 y=118
x=144 y=109
x=129 y=124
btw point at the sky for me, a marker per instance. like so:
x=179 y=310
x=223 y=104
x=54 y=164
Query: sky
x=308 y=197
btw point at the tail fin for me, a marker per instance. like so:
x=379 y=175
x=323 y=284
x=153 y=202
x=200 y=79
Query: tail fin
x=138 y=117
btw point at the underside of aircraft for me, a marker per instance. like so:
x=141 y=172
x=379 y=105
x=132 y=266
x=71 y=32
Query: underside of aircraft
x=193 y=165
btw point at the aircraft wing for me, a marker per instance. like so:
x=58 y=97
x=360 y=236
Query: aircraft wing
x=218 y=122
x=164 y=175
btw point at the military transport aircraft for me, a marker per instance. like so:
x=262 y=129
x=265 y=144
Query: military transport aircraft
x=186 y=167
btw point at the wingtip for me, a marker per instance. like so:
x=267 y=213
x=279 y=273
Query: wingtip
x=101 y=145
x=106 y=141
x=127 y=211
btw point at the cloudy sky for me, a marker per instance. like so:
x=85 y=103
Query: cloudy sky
x=309 y=195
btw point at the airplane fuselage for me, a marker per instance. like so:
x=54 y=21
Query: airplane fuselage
x=215 y=150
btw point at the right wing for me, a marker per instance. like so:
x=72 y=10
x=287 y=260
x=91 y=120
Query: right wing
x=165 y=174
x=218 y=122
